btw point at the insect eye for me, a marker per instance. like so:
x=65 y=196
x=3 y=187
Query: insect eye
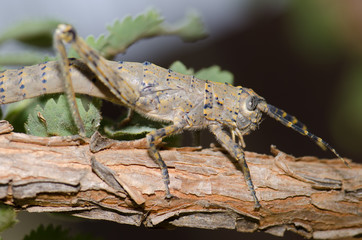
x=251 y=103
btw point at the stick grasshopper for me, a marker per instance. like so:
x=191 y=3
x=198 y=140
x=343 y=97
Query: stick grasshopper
x=157 y=93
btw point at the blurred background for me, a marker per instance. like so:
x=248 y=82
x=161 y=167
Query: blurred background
x=303 y=56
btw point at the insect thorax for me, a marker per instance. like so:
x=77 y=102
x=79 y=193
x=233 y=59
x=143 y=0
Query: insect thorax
x=226 y=104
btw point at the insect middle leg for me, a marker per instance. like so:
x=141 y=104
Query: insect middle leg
x=236 y=151
x=152 y=139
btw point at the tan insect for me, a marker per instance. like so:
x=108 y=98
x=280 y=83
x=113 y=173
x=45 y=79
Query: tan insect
x=157 y=93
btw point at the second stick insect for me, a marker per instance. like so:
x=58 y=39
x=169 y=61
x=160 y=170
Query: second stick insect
x=184 y=101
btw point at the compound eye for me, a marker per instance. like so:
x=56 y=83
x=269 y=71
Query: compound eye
x=251 y=103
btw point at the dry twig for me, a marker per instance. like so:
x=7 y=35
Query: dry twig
x=313 y=197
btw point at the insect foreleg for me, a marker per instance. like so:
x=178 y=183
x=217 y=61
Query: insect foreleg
x=236 y=151
x=152 y=139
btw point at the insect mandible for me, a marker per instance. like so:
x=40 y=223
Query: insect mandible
x=157 y=93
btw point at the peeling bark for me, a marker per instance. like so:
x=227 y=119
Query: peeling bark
x=316 y=198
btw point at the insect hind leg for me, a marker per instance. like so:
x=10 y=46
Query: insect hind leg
x=153 y=138
x=64 y=33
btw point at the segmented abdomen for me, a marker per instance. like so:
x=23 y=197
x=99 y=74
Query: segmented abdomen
x=46 y=78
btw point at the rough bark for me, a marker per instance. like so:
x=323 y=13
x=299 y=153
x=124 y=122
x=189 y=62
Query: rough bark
x=316 y=198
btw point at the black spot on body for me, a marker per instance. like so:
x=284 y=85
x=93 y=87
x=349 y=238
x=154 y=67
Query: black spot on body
x=94 y=63
x=94 y=55
x=208 y=105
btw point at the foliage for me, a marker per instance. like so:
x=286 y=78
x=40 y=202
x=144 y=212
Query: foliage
x=213 y=73
x=55 y=233
x=7 y=217
x=122 y=34
x=55 y=118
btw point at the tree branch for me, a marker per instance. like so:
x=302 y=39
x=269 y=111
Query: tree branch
x=313 y=197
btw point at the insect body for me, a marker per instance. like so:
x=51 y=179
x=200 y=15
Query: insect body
x=182 y=100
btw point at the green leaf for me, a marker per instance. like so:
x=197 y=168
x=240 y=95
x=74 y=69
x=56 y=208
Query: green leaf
x=179 y=67
x=33 y=32
x=213 y=73
x=7 y=217
x=129 y=133
x=122 y=34
x=55 y=119
x=190 y=29
x=137 y=128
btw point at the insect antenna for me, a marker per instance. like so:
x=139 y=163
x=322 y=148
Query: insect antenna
x=292 y=122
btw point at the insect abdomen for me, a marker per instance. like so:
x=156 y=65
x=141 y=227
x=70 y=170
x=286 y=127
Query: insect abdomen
x=45 y=78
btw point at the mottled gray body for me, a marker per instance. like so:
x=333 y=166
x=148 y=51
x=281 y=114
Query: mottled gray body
x=162 y=94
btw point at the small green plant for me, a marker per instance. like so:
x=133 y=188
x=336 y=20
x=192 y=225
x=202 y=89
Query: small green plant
x=55 y=118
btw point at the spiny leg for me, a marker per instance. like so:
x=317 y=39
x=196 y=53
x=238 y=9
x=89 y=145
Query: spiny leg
x=152 y=138
x=99 y=66
x=236 y=151
x=59 y=37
